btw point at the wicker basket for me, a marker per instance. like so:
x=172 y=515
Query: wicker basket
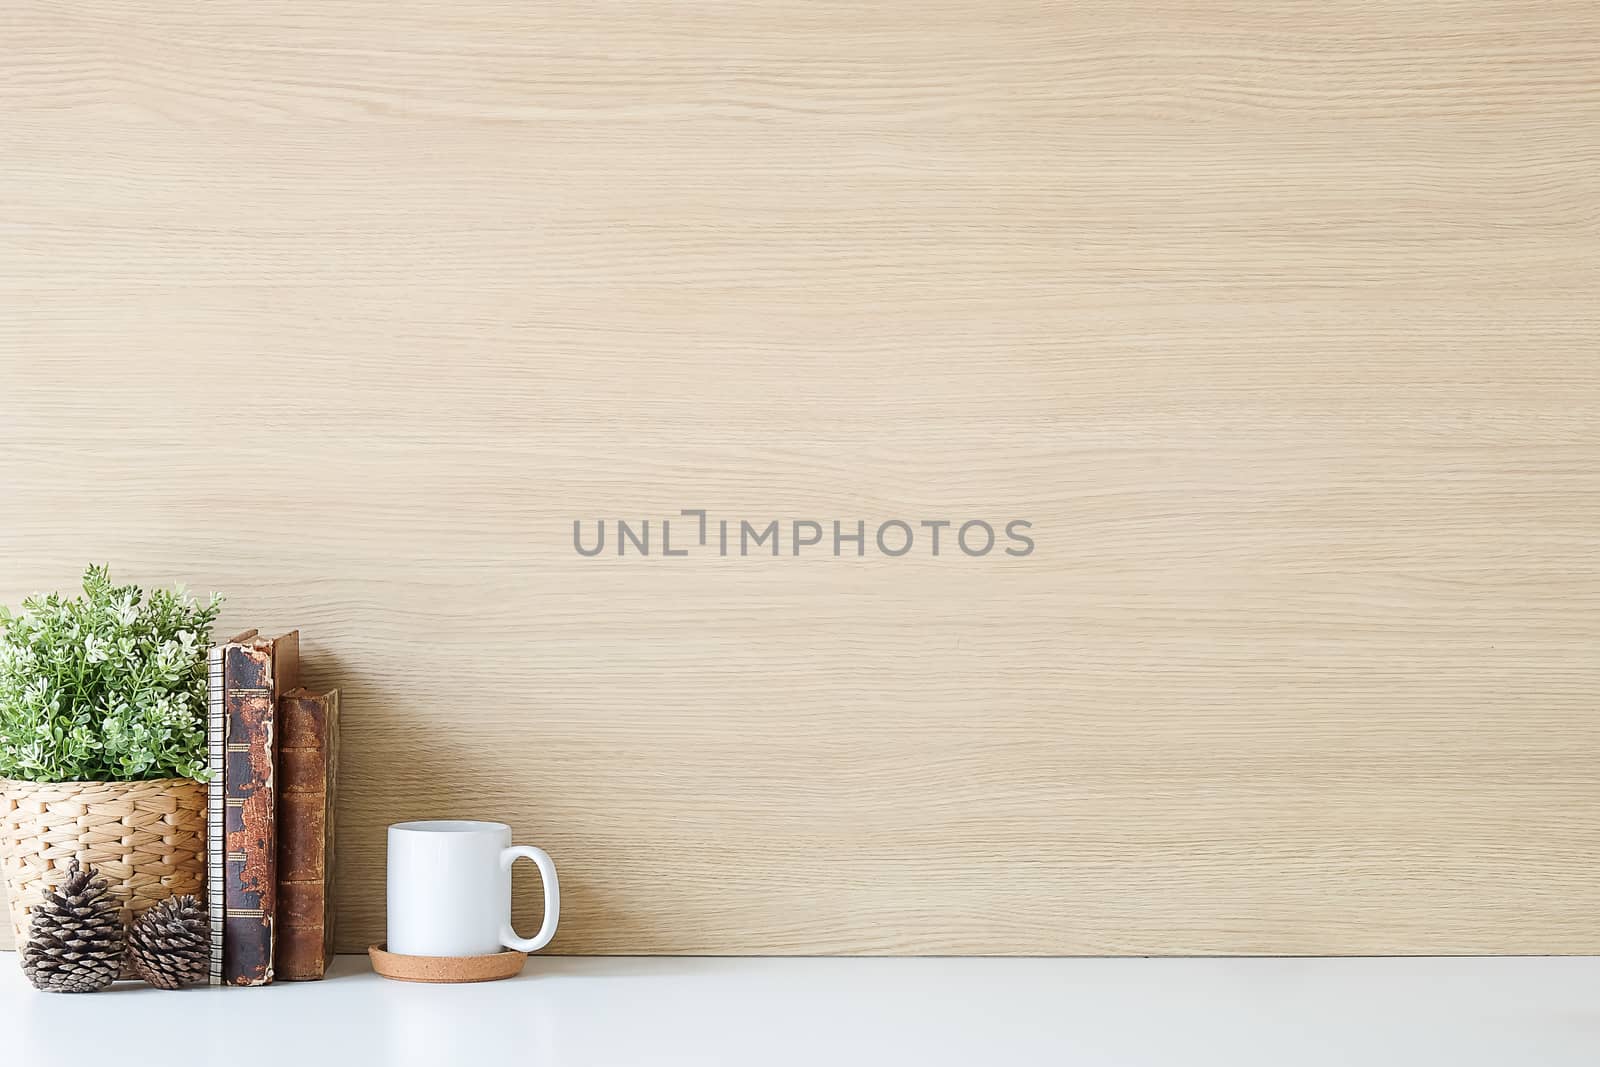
x=147 y=838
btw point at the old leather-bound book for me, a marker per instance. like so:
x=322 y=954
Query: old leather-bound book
x=308 y=760
x=255 y=670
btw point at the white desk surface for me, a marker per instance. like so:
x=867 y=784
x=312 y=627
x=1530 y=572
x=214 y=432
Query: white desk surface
x=566 y=1012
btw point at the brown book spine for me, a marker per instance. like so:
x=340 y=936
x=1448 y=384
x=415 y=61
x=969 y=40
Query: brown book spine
x=308 y=756
x=253 y=673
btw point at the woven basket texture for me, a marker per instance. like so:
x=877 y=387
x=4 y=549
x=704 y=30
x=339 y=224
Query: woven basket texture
x=148 y=839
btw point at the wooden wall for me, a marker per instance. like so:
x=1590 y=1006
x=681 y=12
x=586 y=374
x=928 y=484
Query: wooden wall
x=1279 y=321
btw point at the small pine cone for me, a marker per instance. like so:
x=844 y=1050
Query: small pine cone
x=75 y=936
x=171 y=943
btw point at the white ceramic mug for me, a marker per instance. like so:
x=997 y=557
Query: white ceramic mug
x=450 y=889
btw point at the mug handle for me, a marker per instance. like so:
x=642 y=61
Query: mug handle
x=552 y=898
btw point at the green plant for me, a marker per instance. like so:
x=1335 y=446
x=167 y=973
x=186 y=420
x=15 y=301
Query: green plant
x=108 y=686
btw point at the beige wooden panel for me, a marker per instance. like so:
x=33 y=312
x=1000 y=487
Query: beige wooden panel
x=1278 y=320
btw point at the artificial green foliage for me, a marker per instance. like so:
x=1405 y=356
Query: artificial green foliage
x=108 y=686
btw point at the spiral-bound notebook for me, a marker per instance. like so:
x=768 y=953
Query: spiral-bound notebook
x=247 y=675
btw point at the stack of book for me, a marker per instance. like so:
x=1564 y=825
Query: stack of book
x=269 y=833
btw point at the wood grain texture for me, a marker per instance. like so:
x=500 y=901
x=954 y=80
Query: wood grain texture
x=1279 y=321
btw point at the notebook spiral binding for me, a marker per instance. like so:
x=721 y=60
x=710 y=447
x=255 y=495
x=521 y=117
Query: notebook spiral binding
x=216 y=738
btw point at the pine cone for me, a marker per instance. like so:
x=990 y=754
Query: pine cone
x=75 y=936
x=171 y=943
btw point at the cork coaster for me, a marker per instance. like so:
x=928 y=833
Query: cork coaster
x=490 y=968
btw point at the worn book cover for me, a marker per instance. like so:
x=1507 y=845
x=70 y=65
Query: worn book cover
x=308 y=760
x=255 y=670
